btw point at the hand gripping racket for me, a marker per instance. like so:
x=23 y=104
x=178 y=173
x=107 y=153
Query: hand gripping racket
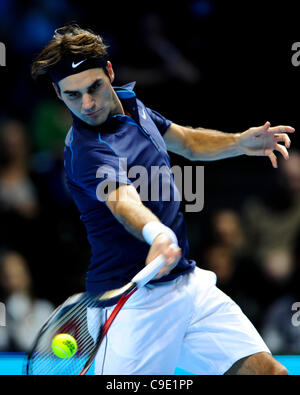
x=72 y=317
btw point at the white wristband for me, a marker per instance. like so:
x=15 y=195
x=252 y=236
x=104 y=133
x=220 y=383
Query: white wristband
x=152 y=229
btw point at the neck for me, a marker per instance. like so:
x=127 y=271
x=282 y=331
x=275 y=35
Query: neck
x=118 y=107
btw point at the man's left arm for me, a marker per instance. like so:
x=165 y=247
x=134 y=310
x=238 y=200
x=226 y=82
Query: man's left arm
x=207 y=144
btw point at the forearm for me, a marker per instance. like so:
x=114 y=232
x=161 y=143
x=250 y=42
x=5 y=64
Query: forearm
x=127 y=207
x=134 y=216
x=208 y=144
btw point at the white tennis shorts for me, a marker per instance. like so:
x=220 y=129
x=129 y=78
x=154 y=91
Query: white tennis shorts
x=187 y=323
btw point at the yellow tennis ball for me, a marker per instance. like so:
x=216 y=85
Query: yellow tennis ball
x=64 y=345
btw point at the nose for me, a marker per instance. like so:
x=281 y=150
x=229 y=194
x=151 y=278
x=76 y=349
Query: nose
x=88 y=103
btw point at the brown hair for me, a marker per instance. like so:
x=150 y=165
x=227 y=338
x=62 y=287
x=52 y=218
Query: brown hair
x=68 y=39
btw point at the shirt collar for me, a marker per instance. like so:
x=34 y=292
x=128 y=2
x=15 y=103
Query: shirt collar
x=130 y=86
x=126 y=91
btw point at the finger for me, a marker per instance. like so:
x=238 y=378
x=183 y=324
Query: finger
x=281 y=129
x=273 y=159
x=283 y=138
x=176 y=250
x=159 y=275
x=282 y=149
x=164 y=272
x=174 y=247
x=171 y=260
x=265 y=127
x=173 y=251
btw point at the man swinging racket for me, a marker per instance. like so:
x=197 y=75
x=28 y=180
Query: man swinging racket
x=181 y=319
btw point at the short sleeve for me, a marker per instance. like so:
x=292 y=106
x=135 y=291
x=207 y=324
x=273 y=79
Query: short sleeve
x=160 y=121
x=101 y=172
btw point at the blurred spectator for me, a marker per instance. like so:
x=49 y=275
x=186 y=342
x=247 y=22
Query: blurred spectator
x=290 y=175
x=37 y=214
x=237 y=277
x=277 y=270
x=17 y=192
x=25 y=314
x=277 y=264
x=278 y=329
x=223 y=244
x=253 y=281
x=227 y=229
x=273 y=221
x=219 y=259
x=20 y=207
x=50 y=124
x=29 y=201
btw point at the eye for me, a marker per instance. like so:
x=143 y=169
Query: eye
x=95 y=86
x=74 y=95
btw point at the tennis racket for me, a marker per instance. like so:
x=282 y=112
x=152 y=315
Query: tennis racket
x=74 y=317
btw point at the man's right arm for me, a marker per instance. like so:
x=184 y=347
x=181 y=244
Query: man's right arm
x=127 y=207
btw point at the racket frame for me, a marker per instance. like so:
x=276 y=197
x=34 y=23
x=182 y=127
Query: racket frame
x=121 y=296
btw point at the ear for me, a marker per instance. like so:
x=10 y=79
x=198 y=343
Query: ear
x=110 y=71
x=57 y=90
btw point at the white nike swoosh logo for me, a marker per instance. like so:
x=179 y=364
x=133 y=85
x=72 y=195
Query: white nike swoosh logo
x=144 y=114
x=74 y=65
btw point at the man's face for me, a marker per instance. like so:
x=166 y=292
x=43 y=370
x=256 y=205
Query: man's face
x=90 y=96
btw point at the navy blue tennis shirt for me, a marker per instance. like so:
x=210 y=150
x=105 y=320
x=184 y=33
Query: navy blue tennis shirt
x=123 y=150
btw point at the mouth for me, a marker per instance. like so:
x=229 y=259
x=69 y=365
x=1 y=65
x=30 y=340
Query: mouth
x=93 y=114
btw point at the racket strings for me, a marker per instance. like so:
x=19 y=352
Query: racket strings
x=88 y=332
x=45 y=362
x=45 y=352
x=84 y=321
x=75 y=322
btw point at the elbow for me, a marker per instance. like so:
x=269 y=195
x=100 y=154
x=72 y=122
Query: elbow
x=192 y=155
x=188 y=152
x=200 y=156
x=118 y=209
x=122 y=207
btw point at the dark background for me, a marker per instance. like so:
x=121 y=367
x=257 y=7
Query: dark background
x=233 y=71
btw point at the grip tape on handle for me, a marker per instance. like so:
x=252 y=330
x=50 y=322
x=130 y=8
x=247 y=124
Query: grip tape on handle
x=149 y=271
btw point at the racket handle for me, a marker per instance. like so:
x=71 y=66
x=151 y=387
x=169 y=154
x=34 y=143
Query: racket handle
x=149 y=271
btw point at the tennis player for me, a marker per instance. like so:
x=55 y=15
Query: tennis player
x=181 y=319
